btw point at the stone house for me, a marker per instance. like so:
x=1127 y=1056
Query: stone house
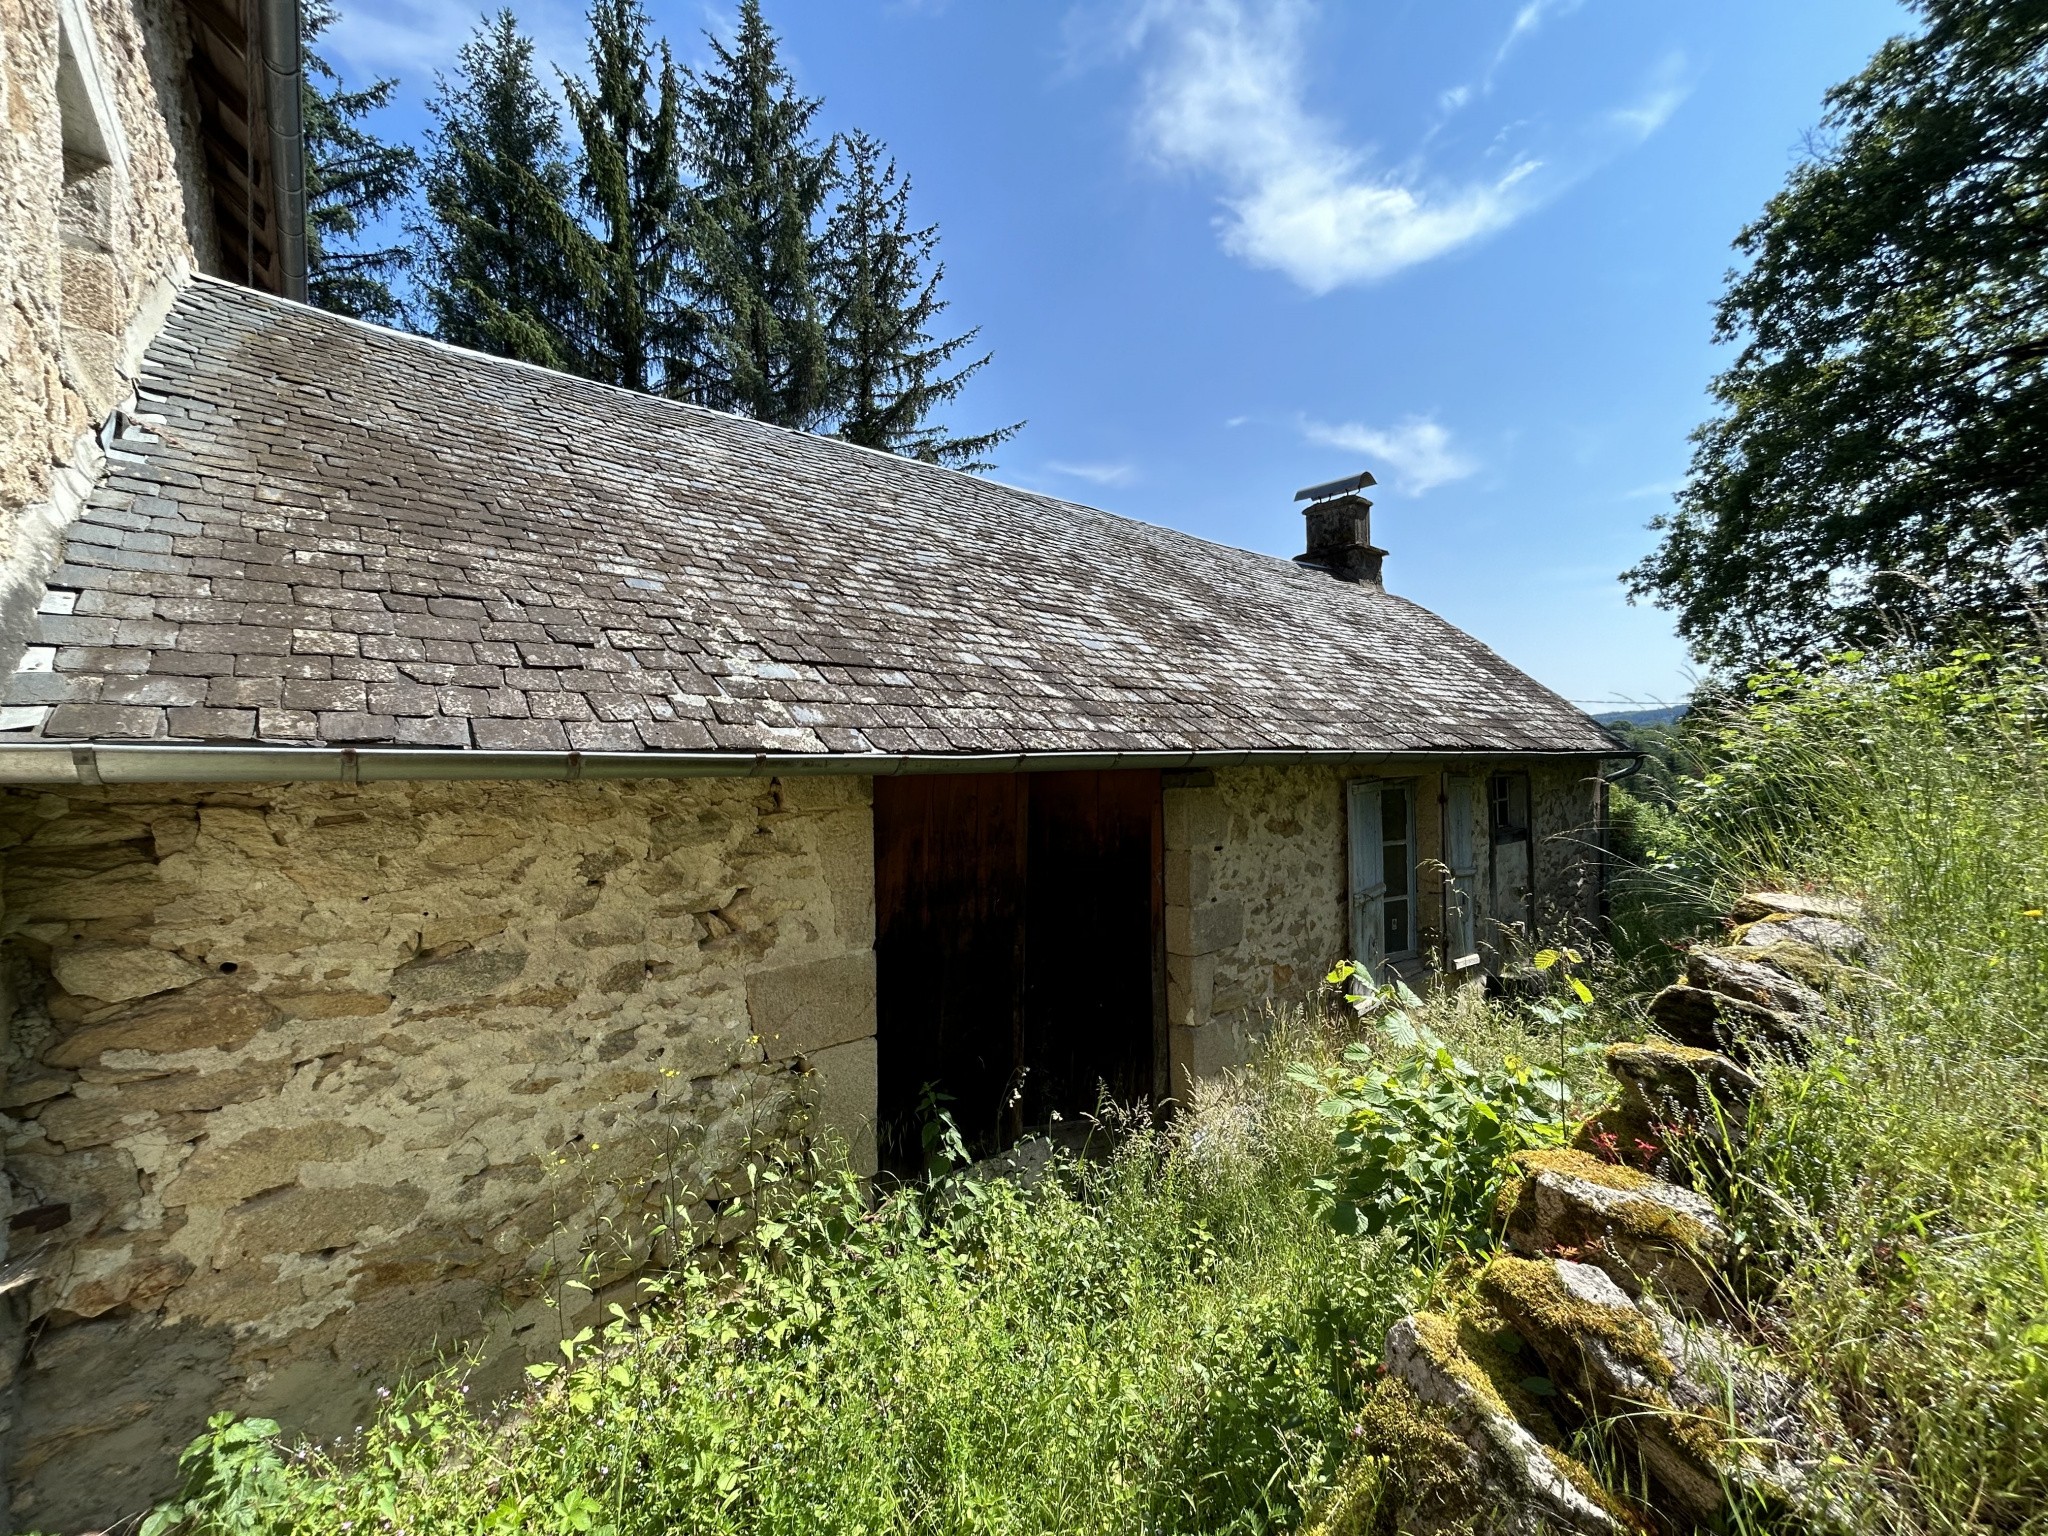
x=456 y=814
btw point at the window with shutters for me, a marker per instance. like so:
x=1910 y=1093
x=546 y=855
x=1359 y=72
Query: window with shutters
x=1381 y=816
x=1509 y=797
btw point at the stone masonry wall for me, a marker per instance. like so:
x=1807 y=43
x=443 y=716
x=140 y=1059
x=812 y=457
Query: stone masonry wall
x=1255 y=904
x=91 y=245
x=303 y=1081
x=1566 y=807
x=1257 y=897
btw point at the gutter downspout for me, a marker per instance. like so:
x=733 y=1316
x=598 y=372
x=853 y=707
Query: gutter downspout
x=283 y=79
x=93 y=763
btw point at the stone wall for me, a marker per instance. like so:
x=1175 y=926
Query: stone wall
x=1257 y=898
x=98 y=174
x=1568 y=806
x=306 y=1080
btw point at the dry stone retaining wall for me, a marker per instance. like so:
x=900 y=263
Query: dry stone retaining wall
x=304 y=1080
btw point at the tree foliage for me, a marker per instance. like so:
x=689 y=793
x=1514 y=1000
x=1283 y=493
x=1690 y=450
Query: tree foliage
x=883 y=274
x=1879 y=466
x=640 y=331
x=700 y=240
x=352 y=178
x=763 y=181
x=502 y=250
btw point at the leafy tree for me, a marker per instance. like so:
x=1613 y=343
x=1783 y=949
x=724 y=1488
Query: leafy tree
x=352 y=177
x=889 y=373
x=642 y=332
x=756 y=230
x=1880 y=463
x=503 y=251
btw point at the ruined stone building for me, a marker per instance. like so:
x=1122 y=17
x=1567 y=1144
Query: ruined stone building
x=452 y=809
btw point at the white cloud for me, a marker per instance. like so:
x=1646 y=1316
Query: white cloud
x=1095 y=474
x=1417 y=449
x=1227 y=97
x=414 y=39
x=1224 y=95
x=1527 y=23
x=1670 y=83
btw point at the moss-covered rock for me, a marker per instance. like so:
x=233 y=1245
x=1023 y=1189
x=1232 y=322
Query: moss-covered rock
x=1840 y=941
x=1646 y=1234
x=1760 y=906
x=1761 y=977
x=1451 y=1455
x=1603 y=1349
x=1687 y=1080
x=1711 y=1020
x=1710 y=1421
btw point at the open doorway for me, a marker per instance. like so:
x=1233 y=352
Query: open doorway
x=1019 y=951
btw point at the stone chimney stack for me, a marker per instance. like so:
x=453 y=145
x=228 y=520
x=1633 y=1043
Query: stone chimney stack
x=1340 y=531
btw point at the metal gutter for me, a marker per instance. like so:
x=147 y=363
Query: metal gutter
x=283 y=80
x=1635 y=766
x=92 y=763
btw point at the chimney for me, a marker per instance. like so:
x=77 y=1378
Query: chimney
x=1340 y=531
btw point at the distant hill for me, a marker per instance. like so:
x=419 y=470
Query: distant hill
x=1668 y=715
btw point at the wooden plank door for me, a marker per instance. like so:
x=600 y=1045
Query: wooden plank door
x=949 y=952
x=1019 y=949
x=1093 y=930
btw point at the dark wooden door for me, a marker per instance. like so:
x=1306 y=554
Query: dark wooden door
x=1092 y=917
x=1018 y=949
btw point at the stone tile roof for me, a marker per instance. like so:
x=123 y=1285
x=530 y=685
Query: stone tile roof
x=327 y=533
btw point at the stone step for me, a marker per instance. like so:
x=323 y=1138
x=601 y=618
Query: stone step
x=1644 y=1233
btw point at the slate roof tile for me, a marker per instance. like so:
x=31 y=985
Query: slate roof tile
x=343 y=534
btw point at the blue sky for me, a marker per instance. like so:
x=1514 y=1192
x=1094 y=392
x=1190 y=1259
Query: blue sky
x=1222 y=249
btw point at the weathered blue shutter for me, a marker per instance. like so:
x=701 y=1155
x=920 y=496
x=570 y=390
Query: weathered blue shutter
x=1461 y=846
x=1368 y=878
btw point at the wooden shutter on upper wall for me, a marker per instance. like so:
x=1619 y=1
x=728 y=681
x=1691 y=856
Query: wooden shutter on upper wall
x=1461 y=852
x=1368 y=878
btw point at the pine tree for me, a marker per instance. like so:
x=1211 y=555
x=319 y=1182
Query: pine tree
x=889 y=374
x=352 y=177
x=504 y=254
x=756 y=230
x=642 y=331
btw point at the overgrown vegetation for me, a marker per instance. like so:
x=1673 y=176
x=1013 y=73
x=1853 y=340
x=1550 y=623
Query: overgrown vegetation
x=1180 y=1337
x=1899 y=1179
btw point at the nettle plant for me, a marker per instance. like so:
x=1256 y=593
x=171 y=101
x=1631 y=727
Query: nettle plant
x=1423 y=1144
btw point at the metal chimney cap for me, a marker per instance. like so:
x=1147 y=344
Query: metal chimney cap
x=1329 y=488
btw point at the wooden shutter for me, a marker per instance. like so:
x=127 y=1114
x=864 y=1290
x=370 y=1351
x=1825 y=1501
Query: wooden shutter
x=1461 y=844
x=1368 y=878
